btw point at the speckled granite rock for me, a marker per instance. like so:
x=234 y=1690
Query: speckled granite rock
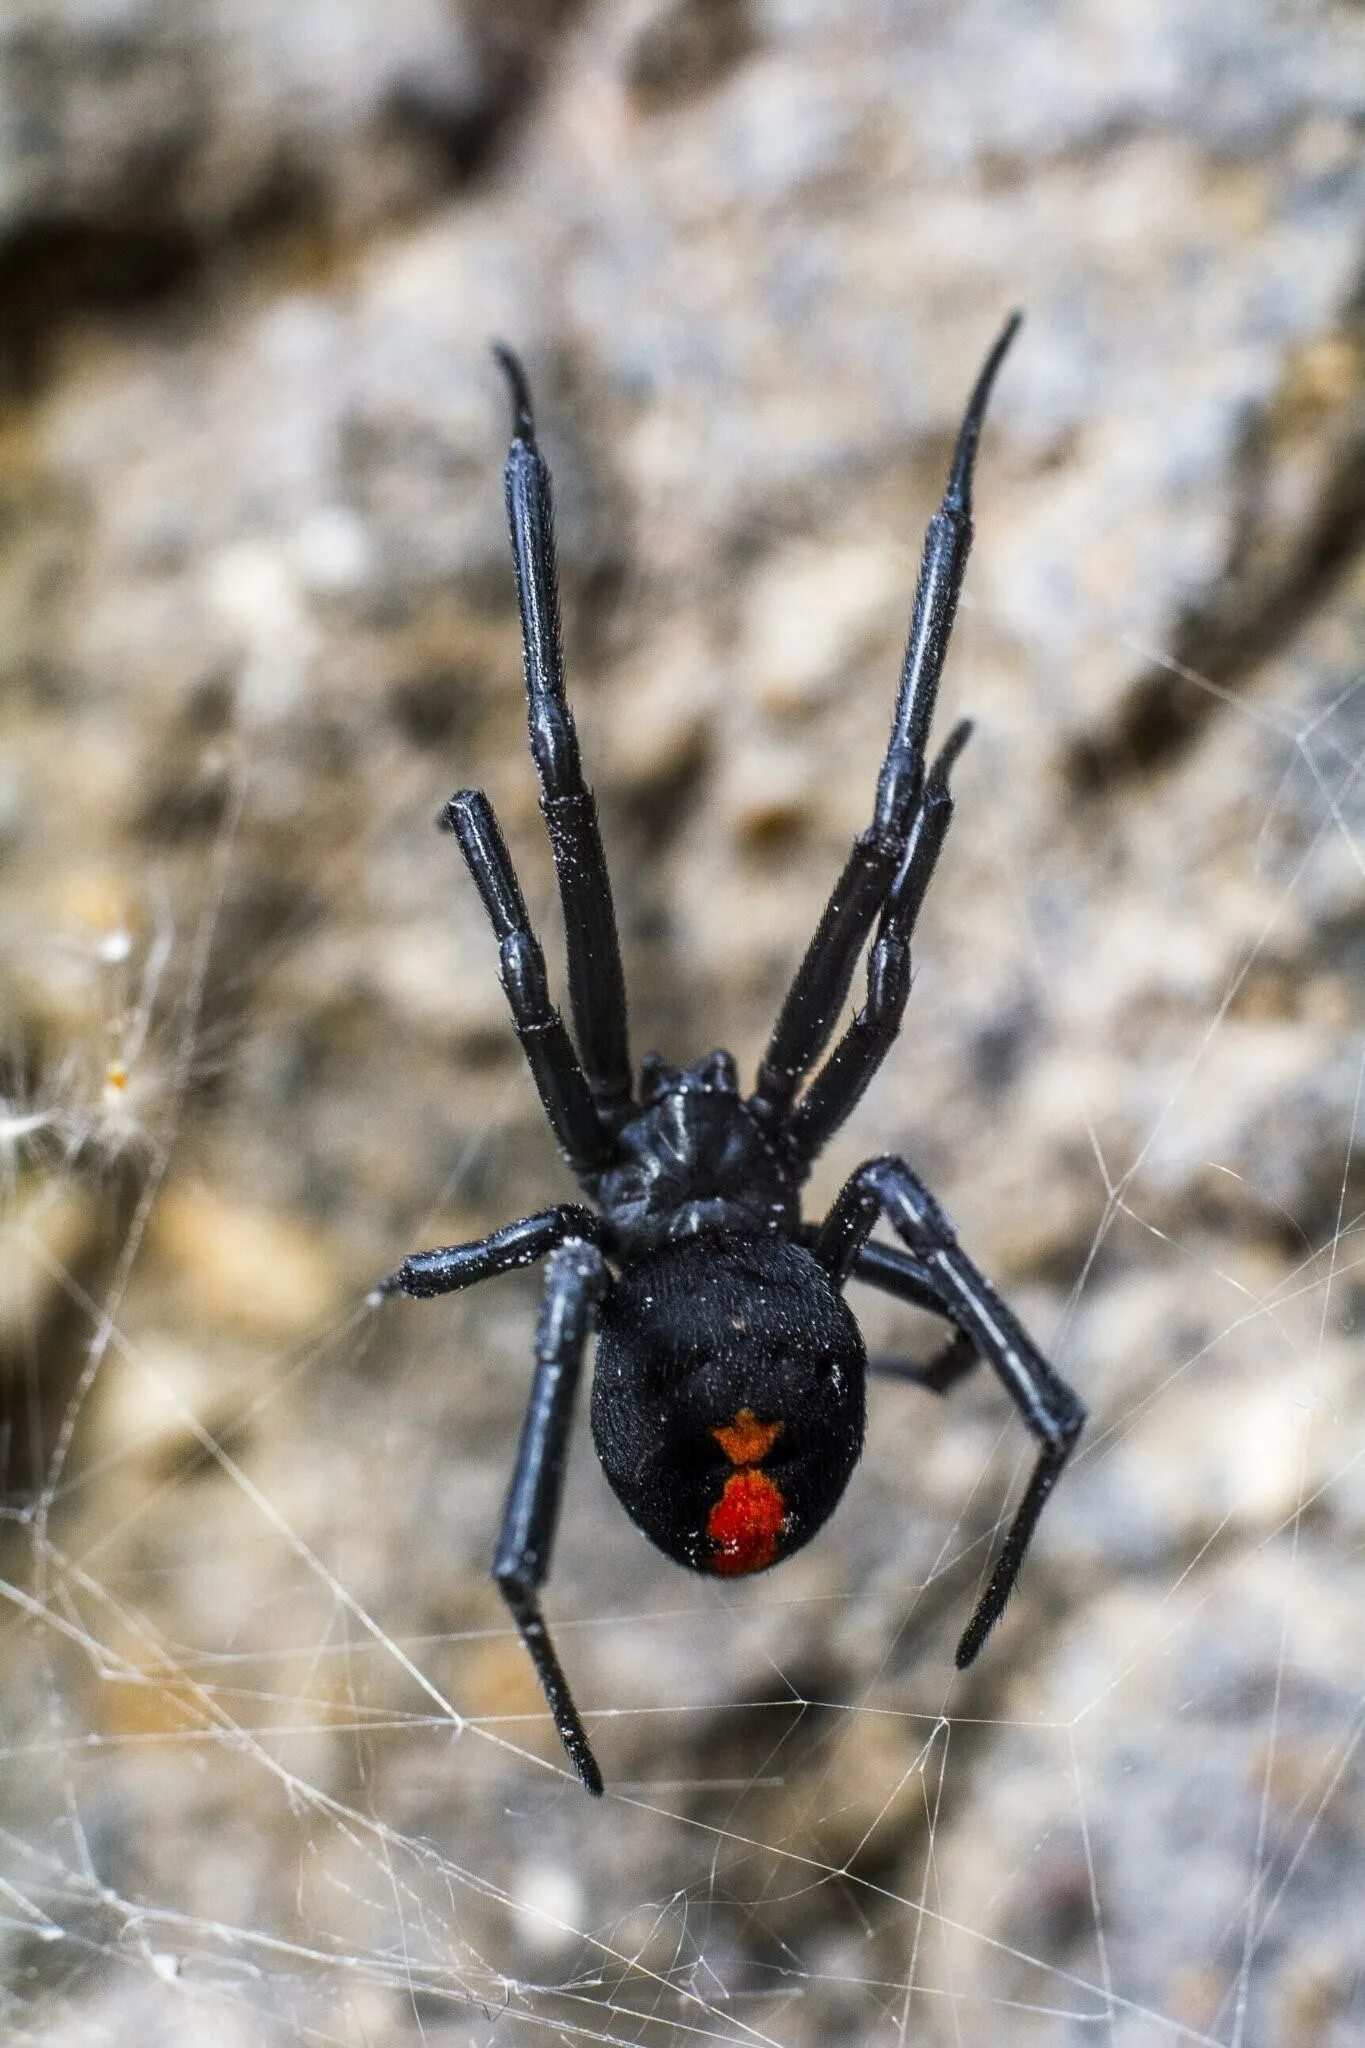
x=271 y=1751
x=146 y=143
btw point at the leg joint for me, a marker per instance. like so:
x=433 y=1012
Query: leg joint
x=517 y=1579
x=524 y=978
x=907 y=1202
x=554 y=745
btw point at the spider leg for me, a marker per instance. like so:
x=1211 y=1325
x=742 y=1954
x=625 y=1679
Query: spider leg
x=876 y=1265
x=817 y=994
x=597 y=990
x=565 y=1096
x=891 y=1271
x=895 y=1273
x=844 y=1079
x=1050 y=1410
x=454 y=1266
x=940 y=1374
x=574 y=1284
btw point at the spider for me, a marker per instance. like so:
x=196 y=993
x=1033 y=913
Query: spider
x=728 y=1399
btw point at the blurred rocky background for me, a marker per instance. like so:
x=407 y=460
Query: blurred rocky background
x=274 y=1769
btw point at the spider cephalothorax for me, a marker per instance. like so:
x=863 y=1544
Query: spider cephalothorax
x=728 y=1397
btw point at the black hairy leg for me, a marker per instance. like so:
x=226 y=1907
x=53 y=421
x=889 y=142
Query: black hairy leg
x=574 y=1284
x=564 y=1092
x=597 y=988
x=888 y=1189
x=817 y=995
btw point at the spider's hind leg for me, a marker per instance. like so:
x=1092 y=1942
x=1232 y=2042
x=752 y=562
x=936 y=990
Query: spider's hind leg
x=575 y=1281
x=574 y=1285
x=940 y=1374
x=1052 y=1413
x=597 y=991
x=897 y=1274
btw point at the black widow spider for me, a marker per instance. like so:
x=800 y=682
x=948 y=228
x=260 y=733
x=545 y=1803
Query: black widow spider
x=728 y=1399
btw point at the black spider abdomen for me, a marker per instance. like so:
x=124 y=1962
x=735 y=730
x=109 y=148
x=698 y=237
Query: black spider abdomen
x=728 y=1403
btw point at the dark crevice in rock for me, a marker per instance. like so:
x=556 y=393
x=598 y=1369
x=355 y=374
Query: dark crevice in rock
x=184 y=804
x=59 y=268
x=687 y=47
x=463 y=136
x=654 y=817
x=437 y=703
x=153 y=238
x=1272 y=582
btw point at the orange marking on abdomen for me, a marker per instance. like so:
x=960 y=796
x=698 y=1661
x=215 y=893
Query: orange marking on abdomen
x=746 y=1440
x=746 y=1522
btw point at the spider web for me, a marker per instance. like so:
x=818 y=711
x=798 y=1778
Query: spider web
x=275 y=1768
x=305 y=1822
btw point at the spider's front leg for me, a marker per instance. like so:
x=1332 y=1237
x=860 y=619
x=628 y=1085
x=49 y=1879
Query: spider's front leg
x=843 y=1080
x=565 y=1096
x=877 y=858
x=597 y=990
x=1052 y=1412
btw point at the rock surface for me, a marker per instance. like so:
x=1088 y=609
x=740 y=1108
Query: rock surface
x=275 y=1768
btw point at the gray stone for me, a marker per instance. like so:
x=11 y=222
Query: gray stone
x=278 y=1769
